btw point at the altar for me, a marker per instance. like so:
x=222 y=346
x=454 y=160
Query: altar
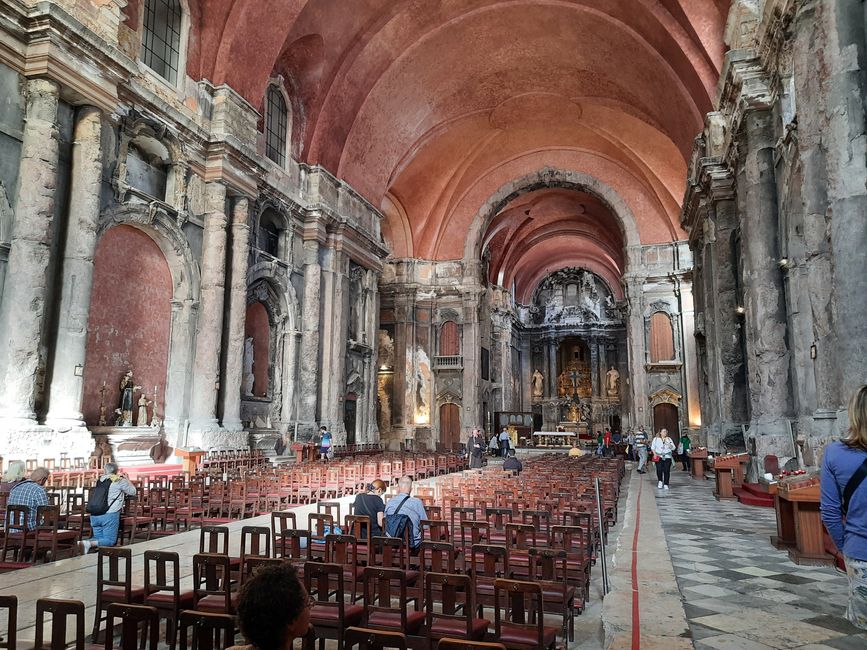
x=130 y=446
x=554 y=438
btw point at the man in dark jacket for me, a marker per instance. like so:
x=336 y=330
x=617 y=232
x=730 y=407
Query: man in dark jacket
x=512 y=464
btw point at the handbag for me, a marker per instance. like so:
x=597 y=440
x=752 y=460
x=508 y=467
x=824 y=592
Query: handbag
x=655 y=459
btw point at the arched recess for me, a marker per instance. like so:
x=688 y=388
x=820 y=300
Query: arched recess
x=276 y=293
x=162 y=230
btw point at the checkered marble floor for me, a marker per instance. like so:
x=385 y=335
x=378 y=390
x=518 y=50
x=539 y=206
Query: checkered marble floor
x=739 y=592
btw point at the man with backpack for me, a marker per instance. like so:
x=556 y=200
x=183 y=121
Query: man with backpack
x=405 y=511
x=104 y=504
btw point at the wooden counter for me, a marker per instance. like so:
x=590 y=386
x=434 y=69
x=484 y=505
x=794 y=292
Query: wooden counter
x=799 y=525
x=698 y=463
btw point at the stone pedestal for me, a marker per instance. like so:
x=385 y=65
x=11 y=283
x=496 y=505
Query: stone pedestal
x=237 y=316
x=130 y=446
x=67 y=380
x=22 y=313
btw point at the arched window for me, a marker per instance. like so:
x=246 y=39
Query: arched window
x=161 y=38
x=276 y=125
x=661 y=338
x=449 y=344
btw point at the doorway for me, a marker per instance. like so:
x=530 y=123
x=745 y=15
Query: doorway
x=665 y=416
x=349 y=410
x=450 y=426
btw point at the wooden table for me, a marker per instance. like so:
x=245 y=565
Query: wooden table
x=729 y=474
x=190 y=459
x=799 y=525
x=304 y=451
x=698 y=460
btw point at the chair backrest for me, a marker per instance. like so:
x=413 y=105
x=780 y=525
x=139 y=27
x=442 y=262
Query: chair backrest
x=366 y=639
x=520 y=536
x=294 y=544
x=498 y=517
x=329 y=508
x=389 y=552
x=359 y=527
x=10 y=605
x=114 y=569
x=523 y=604
x=341 y=549
x=488 y=562
x=210 y=631
x=139 y=624
x=214 y=539
x=437 y=557
x=255 y=541
x=253 y=563
x=16 y=518
x=317 y=522
x=462 y=513
x=549 y=565
x=280 y=522
x=212 y=577
x=162 y=572
x=382 y=587
x=59 y=610
x=539 y=519
x=453 y=592
x=474 y=532
x=436 y=530
x=324 y=583
x=462 y=644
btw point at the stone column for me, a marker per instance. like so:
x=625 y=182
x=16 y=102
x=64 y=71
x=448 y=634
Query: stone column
x=67 y=381
x=309 y=353
x=335 y=328
x=637 y=389
x=237 y=316
x=553 y=375
x=471 y=415
x=179 y=382
x=370 y=380
x=845 y=141
x=206 y=366
x=22 y=314
x=289 y=377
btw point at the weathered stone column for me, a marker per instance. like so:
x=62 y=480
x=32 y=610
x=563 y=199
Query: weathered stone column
x=67 y=380
x=206 y=366
x=289 y=378
x=370 y=378
x=472 y=375
x=637 y=389
x=179 y=382
x=846 y=146
x=309 y=353
x=335 y=309
x=765 y=315
x=22 y=314
x=553 y=389
x=237 y=315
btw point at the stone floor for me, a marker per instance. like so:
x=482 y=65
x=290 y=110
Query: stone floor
x=738 y=591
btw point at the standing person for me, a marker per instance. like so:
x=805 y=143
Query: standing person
x=504 y=442
x=406 y=504
x=599 y=443
x=663 y=447
x=324 y=443
x=31 y=493
x=683 y=449
x=844 y=468
x=476 y=447
x=630 y=444
x=370 y=505
x=104 y=505
x=493 y=446
x=641 y=449
x=606 y=443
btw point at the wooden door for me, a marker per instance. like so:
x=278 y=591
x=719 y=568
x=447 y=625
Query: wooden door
x=450 y=426
x=665 y=416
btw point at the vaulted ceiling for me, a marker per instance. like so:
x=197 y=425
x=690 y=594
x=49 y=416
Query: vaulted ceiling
x=429 y=107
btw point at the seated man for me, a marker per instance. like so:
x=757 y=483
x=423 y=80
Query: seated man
x=512 y=463
x=31 y=493
x=273 y=608
x=408 y=505
x=575 y=451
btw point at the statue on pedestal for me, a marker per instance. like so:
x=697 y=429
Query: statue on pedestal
x=612 y=383
x=127 y=387
x=538 y=383
x=143 y=404
x=249 y=378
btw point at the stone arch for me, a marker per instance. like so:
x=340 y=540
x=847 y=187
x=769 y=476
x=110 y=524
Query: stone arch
x=163 y=229
x=551 y=177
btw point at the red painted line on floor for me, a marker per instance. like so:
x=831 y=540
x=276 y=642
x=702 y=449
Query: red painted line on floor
x=636 y=628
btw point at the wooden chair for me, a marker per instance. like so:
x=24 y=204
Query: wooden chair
x=381 y=588
x=212 y=584
x=113 y=583
x=280 y=522
x=255 y=542
x=523 y=625
x=10 y=604
x=359 y=527
x=452 y=593
x=330 y=614
x=343 y=550
x=548 y=568
x=209 y=631
x=163 y=590
x=60 y=611
x=49 y=538
x=215 y=539
x=487 y=564
x=17 y=536
x=367 y=639
x=140 y=625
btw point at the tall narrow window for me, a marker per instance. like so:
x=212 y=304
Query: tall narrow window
x=661 y=338
x=276 y=118
x=161 y=38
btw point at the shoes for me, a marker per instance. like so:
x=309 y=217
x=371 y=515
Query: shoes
x=659 y=485
x=84 y=546
x=664 y=487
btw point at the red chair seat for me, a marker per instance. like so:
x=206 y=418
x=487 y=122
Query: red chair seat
x=457 y=628
x=215 y=604
x=552 y=593
x=329 y=616
x=165 y=598
x=118 y=595
x=512 y=637
x=391 y=621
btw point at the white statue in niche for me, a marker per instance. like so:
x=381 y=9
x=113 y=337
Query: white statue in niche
x=612 y=382
x=249 y=378
x=538 y=383
x=143 y=403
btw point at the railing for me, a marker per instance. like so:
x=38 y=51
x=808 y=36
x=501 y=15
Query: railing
x=449 y=362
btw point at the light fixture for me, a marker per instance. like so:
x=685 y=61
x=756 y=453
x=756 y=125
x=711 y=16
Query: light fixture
x=783 y=262
x=813 y=351
x=740 y=309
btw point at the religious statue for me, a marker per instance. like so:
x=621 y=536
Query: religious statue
x=586 y=412
x=564 y=384
x=143 y=403
x=573 y=413
x=612 y=382
x=538 y=384
x=127 y=387
x=249 y=378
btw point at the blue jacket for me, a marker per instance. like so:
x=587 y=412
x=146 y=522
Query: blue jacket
x=838 y=466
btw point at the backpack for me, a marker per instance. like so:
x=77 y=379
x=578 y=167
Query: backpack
x=396 y=524
x=97 y=502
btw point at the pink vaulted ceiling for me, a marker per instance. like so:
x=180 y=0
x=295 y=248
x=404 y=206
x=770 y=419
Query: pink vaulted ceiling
x=543 y=230
x=428 y=108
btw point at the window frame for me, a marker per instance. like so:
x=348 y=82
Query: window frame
x=181 y=73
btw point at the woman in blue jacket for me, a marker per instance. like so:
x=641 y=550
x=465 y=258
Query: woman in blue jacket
x=846 y=460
